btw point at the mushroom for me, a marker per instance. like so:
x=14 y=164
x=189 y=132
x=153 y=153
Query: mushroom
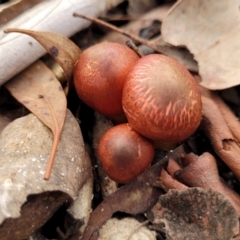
x=99 y=76
x=161 y=99
x=124 y=153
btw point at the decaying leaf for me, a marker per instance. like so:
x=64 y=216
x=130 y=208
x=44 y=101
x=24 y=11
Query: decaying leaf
x=39 y=91
x=195 y=213
x=126 y=228
x=15 y=8
x=136 y=197
x=4 y=121
x=62 y=49
x=211 y=31
x=24 y=150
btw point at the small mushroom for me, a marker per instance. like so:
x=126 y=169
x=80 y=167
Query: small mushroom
x=99 y=76
x=124 y=153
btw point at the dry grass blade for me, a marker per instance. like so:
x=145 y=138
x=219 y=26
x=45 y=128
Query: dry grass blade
x=39 y=91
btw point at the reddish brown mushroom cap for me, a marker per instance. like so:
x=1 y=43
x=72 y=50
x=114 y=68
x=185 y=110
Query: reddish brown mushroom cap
x=99 y=76
x=161 y=99
x=124 y=153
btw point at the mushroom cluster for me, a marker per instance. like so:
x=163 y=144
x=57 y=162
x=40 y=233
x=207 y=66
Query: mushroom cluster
x=158 y=95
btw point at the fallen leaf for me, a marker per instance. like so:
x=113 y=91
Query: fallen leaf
x=211 y=31
x=62 y=49
x=39 y=91
x=82 y=206
x=195 y=213
x=126 y=228
x=4 y=121
x=24 y=149
x=14 y=8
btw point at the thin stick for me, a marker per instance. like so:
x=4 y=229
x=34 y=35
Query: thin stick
x=116 y=29
x=133 y=46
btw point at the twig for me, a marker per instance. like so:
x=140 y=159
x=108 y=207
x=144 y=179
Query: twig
x=116 y=29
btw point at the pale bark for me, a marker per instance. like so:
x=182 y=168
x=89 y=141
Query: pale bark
x=17 y=51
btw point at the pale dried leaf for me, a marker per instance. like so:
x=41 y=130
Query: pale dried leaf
x=82 y=206
x=24 y=146
x=4 y=121
x=13 y=9
x=126 y=228
x=211 y=31
x=38 y=90
x=136 y=8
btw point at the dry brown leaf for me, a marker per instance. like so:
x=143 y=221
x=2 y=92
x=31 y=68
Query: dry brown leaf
x=62 y=49
x=24 y=149
x=211 y=31
x=4 y=121
x=39 y=91
x=15 y=8
x=195 y=213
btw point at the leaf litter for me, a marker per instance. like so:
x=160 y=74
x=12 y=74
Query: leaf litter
x=142 y=195
x=211 y=31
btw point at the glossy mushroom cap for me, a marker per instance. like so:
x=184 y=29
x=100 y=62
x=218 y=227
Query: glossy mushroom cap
x=124 y=153
x=161 y=99
x=99 y=76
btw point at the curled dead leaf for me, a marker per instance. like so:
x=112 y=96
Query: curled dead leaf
x=24 y=146
x=126 y=228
